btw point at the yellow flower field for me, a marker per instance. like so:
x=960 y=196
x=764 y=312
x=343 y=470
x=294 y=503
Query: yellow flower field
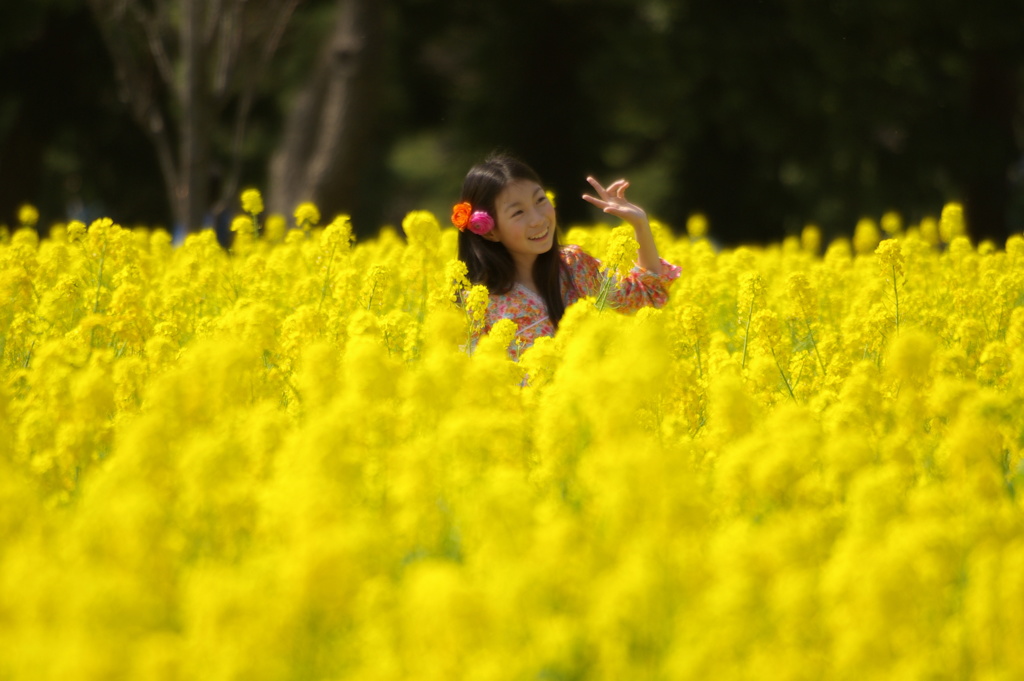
x=280 y=462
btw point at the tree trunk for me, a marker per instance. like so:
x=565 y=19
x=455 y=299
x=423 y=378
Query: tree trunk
x=181 y=65
x=192 y=199
x=326 y=134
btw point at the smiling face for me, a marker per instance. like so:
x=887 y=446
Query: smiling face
x=524 y=220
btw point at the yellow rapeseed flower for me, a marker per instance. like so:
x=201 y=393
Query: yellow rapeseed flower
x=337 y=233
x=890 y=258
x=307 y=215
x=252 y=202
x=930 y=231
x=275 y=227
x=374 y=285
x=892 y=223
x=76 y=231
x=697 y=226
x=501 y=337
x=28 y=215
x=866 y=236
x=477 y=301
x=422 y=229
x=802 y=297
x=751 y=291
x=951 y=222
x=242 y=224
x=621 y=251
x=810 y=239
x=456 y=277
x=225 y=429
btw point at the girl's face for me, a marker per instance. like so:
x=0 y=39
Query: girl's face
x=524 y=219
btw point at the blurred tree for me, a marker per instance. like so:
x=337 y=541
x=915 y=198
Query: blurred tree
x=764 y=116
x=66 y=143
x=189 y=71
x=327 y=144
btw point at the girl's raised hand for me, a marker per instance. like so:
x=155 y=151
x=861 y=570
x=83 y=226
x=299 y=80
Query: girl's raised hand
x=613 y=201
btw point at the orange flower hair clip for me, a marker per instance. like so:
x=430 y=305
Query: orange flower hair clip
x=476 y=221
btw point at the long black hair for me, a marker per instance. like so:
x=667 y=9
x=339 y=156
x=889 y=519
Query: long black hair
x=489 y=262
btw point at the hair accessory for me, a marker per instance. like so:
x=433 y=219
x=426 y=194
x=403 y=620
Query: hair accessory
x=476 y=221
x=480 y=222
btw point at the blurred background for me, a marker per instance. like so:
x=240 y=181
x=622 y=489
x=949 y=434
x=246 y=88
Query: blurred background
x=764 y=116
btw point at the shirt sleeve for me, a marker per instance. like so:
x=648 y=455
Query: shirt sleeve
x=640 y=288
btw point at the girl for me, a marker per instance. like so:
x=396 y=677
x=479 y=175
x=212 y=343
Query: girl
x=509 y=242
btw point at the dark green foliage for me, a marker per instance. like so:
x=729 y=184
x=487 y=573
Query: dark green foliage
x=763 y=115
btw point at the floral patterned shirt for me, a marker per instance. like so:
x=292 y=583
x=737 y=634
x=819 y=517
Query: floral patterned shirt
x=640 y=288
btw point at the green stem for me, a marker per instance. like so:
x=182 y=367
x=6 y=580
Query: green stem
x=269 y=366
x=369 y=301
x=896 y=296
x=99 y=278
x=327 y=279
x=746 y=333
x=602 y=294
x=99 y=289
x=783 y=373
x=810 y=334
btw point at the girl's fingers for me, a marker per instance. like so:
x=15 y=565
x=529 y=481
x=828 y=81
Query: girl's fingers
x=616 y=189
x=613 y=197
x=601 y=192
